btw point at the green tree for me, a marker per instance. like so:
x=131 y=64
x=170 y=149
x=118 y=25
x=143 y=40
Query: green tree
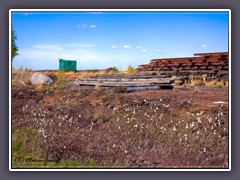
x=14 y=47
x=131 y=70
x=115 y=68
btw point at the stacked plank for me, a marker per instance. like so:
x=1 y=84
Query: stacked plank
x=209 y=62
x=130 y=82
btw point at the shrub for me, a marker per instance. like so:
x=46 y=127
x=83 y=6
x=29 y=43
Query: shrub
x=131 y=70
x=115 y=69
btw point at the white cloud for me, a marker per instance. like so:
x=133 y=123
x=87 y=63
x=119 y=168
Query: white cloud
x=127 y=46
x=138 y=47
x=93 y=25
x=144 y=50
x=204 y=46
x=166 y=50
x=59 y=47
x=114 y=46
x=158 y=50
x=84 y=26
x=77 y=45
x=48 y=47
x=45 y=56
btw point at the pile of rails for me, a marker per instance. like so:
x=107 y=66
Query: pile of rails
x=207 y=63
x=129 y=82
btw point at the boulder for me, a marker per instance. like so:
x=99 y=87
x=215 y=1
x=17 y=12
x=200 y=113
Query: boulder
x=40 y=79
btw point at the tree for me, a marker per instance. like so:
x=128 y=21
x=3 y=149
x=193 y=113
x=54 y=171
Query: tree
x=14 y=47
x=131 y=70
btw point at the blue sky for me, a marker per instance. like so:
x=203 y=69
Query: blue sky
x=105 y=39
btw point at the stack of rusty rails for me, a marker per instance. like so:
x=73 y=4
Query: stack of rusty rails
x=209 y=63
x=130 y=82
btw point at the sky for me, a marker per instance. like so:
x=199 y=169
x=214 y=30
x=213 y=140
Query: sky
x=99 y=40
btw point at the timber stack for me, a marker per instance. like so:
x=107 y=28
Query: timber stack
x=129 y=82
x=211 y=64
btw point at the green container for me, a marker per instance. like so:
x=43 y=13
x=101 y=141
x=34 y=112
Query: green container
x=67 y=65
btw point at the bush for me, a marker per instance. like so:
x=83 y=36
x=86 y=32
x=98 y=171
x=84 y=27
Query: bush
x=115 y=69
x=131 y=70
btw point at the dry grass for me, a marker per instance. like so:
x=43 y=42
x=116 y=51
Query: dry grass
x=97 y=87
x=220 y=82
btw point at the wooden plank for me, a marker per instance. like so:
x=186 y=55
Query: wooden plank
x=124 y=84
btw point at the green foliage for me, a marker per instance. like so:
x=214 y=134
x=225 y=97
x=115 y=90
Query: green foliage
x=16 y=145
x=91 y=164
x=14 y=48
x=61 y=79
x=131 y=70
x=70 y=164
x=116 y=69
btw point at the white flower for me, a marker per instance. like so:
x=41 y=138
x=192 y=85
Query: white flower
x=187 y=126
x=119 y=127
x=174 y=128
x=126 y=151
x=135 y=126
x=167 y=106
x=199 y=120
x=193 y=124
x=215 y=131
x=198 y=114
x=114 y=146
x=204 y=149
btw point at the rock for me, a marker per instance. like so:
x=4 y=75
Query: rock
x=39 y=79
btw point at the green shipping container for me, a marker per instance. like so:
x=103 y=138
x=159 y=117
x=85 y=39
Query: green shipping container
x=67 y=65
